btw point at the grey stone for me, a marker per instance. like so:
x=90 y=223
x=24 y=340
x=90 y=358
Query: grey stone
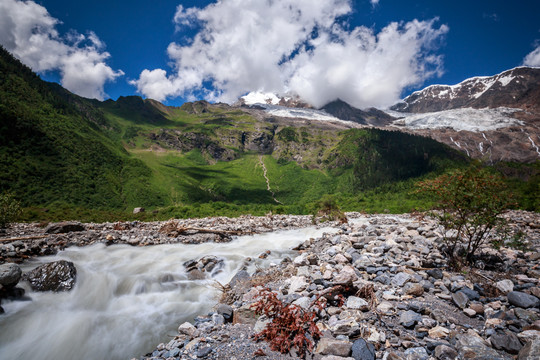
x=225 y=310
x=531 y=351
x=400 y=279
x=188 y=329
x=357 y=303
x=471 y=346
x=204 y=352
x=435 y=273
x=64 y=227
x=196 y=275
x=416 y=353
x=261 y=323
x=409 y=318
x=304 y=302
x=508 y=342
x=445 y=352
x=327 y=346
x=363 y=350
x=471 y=294
x=10 y=274
x=218 y=319
x=55 y=276
x=297 y=284
x=460 y=299
x=346 y=276
x=522 y=300
x=239 y=278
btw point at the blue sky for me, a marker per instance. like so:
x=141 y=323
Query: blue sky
x=117 y=42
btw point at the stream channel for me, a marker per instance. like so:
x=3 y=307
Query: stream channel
x=128 y=299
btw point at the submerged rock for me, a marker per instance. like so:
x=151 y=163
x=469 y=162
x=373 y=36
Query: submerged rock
x=56 y=276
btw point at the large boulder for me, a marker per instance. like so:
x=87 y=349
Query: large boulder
x=64 y=227
x=55 y=276
x=10 y=274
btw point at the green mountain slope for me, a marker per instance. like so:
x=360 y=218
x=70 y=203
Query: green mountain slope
x=58 y=150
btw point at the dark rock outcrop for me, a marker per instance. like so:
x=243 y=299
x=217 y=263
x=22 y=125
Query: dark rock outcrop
x=64 y=227
x=55 y=276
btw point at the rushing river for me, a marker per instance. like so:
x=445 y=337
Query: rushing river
x=127 y=299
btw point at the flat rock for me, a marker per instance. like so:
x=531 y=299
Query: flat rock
x=55 y=276
x=522 y=300
x=460 y=299
x=438 y=332
x=64 y=227
x=409 y=318
x=327 y=346
x=297 y=284
x=400 y=279
x=416 y=353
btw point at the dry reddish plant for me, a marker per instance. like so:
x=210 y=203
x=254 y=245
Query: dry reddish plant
x=290 y=326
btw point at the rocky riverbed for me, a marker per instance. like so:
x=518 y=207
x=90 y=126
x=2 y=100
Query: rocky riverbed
x=388 y=290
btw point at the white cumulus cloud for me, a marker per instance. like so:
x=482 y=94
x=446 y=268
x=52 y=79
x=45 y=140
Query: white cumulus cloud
x=533 y=58
x=298 y=46
x=29 y=32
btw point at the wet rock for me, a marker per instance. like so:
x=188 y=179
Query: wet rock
x=64 y=227
x=409 y=318
x=531 y=351
x=55 y=276
x=327 y=346
x=196 y=275
x=240 y=277
x=10 y=274
x=363 y=350
x=445 y=352
x=522 y=300
x=507 y=341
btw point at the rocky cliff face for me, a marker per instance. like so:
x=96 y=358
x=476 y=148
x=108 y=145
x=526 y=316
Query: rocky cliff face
x=515 y=88
x=495 y=118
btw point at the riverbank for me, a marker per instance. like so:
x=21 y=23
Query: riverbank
x=396 y=296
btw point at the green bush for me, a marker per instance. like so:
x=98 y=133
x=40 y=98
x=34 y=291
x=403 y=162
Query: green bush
x=10 y=209
x=469 y=204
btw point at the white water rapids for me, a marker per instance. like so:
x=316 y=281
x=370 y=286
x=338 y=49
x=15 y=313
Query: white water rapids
x=127 y=299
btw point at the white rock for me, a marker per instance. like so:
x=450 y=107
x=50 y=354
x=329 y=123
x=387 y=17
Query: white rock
x=297 y=284
x=505 y=286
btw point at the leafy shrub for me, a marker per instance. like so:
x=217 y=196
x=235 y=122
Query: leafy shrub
x=10 y=209
x=290 y=326
x=469 y=204
x=328 y=210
